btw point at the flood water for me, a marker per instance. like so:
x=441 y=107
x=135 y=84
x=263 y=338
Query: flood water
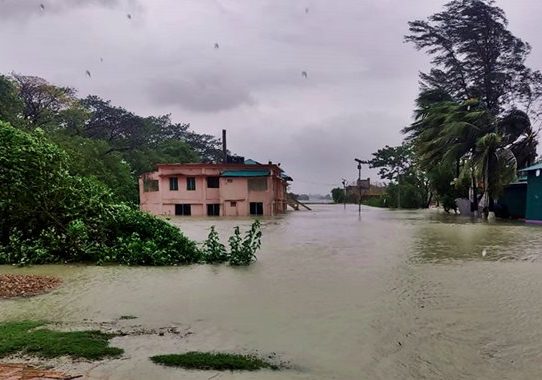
x=393 y=295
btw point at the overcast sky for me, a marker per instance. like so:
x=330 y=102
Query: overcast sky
x=358 y=94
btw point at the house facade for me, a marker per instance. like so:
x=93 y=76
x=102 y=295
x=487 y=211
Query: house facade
x=533 y=212
x=214 y=190
x=523 y=199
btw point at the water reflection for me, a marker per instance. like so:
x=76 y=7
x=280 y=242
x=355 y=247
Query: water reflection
x=442 y=238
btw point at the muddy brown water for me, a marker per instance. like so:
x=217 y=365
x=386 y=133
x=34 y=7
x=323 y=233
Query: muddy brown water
x=393 y=295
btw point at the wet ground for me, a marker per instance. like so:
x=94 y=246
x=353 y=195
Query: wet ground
x=390 y=295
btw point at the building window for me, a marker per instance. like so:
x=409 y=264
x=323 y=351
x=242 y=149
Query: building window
x=190 y=183
x=229 y=180
x=257 y=184
x=213 y=182
x=150 y=185
x=213 y=209
x=183 y=209
x=233 y=204
x=173 y=183
x=256 y=208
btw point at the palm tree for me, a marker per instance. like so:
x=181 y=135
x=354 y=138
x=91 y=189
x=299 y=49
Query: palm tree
x=518 y=135
x=496 y=164
x=468 y=135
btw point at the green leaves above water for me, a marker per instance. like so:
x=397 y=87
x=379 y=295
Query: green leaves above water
x=242 y=248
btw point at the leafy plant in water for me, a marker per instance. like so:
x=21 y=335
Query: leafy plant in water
x=235 y=245
x=243 y=249
x=213 y=251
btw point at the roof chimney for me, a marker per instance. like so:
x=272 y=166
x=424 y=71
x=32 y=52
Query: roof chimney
x=224 y=149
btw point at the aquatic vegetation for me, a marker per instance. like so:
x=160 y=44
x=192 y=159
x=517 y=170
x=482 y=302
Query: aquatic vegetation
x=242 y=249
x=213 y=361
x=29 y=338
x=213 y=251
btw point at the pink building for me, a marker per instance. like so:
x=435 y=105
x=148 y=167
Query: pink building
x=214 y=189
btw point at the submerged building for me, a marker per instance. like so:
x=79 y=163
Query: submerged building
x=533 y=204
x=523 y=199
x=223 y=189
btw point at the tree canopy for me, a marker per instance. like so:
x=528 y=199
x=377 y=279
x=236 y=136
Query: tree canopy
x=474 y=55
x=104 y=141
x=50 y=215
x=408 y=187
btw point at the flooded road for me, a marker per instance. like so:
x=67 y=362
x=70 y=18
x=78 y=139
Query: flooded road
x=395 y=295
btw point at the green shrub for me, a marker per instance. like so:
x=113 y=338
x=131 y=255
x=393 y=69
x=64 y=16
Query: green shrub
x=242 y=250
x=139 y=238
x=48 y=215
x=213 y=251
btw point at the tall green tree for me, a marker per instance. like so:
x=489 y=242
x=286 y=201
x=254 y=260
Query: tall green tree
x=393 y=162
x=123 y=130
x=11 y=105
x=42 y=101
x=170 y=151
x=142 y=141
x=338 y=195
x=474 y=105
x=408 y=186
x=88 y=159
x=103 y=141
x=474 y=55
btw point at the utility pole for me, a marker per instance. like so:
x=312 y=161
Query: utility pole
x=224 y=147
x=344 y=185
x=399 y=191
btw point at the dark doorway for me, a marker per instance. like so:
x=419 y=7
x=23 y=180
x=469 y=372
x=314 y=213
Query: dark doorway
x=183 y=209
x=256 y=208
x=213 y=209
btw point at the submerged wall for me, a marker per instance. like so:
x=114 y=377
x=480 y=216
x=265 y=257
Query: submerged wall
x=534 y=198
x=513 y=202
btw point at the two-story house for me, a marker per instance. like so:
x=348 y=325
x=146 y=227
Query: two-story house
x=214 y=189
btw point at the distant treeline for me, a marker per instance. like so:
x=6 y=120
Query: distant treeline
x=306 y=197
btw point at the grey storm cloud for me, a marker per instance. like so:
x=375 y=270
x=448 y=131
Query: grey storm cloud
x=358 y=94
x=209 y=93
x=21 y=9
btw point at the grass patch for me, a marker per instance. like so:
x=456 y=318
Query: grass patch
x=213 y=361
x=128 y=317
x=29 y=338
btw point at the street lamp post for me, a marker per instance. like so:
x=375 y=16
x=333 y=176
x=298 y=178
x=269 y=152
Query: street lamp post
x=359 y=181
